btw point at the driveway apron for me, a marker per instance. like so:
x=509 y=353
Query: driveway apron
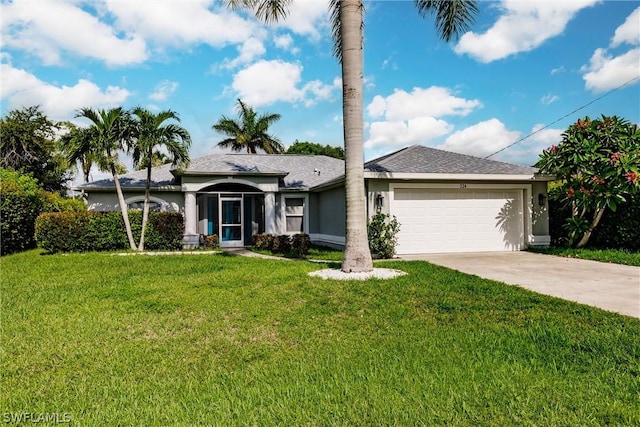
x=611 y=287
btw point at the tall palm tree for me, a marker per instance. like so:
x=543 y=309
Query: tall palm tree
x=249 y=132
x=110 y=131
x=152 y=132
x=452 y=17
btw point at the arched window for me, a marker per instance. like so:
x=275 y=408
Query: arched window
x=153 y=206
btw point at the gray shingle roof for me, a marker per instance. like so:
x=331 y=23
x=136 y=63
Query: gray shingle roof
x=297 y=171
x=421 y=159
x=160 y=176
x=307 y=171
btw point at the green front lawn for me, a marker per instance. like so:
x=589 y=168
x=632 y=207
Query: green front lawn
x=616 y=256
x=224 y=340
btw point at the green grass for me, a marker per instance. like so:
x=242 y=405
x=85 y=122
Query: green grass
x=616 y=256
x=224 y=340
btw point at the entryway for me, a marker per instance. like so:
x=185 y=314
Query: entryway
x=234 y=216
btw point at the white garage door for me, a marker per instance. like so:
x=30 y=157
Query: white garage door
x=435 y=220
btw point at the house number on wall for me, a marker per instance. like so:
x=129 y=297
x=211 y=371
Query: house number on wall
x=463 y=186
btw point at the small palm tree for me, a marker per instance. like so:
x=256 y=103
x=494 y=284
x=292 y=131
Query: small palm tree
x=451 y=18
x=151 y=133
x=110 y=131
x=249 y=132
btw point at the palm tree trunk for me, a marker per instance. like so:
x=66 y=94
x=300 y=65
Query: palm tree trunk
x=123 y=208
x=145 y=209
x=597 y=216
x=357 y=257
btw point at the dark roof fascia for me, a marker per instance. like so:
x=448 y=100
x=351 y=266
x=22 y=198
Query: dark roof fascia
x=237 y=173
x=337 y=182
x=166 y=188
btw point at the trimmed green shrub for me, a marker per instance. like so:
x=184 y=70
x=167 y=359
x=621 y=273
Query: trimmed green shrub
x=21 y=202
x=281 y=244
x=164 y=232
x=297 y=245
x=300 y=244
x=209 y=242
x=262 y=241
x=104 y=231
x=382 y=231
x=53 y=202
x=617 y=230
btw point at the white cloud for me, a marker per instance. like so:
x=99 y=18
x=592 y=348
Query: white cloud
x=251 y=49
x=266 y=82
x=21 y=89
x=181 y=23
x=629 y=31
x=403 y=133
x=307 y=17
x=284 y=41
x=560 y=69
x=54 y=27
x=549 y=99
x=414 y=117
x=605 y=72
x=163 y=90
x=523 y=26
x=432 y=102
x=481 y=139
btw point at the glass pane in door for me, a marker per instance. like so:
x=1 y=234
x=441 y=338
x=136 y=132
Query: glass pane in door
x=231 y=220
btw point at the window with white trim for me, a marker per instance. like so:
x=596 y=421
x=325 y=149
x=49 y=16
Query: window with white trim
x=153 y=206
x=294 y=214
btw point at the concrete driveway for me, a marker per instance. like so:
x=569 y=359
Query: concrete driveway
x=611 y=287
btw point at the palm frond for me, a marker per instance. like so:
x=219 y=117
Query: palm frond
x=452 y=17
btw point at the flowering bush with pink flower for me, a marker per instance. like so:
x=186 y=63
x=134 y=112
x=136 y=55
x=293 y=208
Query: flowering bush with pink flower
x=598 y=166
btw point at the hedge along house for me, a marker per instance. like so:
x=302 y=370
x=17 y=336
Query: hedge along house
x=445 y=202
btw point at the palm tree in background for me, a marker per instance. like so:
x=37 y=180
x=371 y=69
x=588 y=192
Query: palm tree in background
x=110 y=131
x=75 y=137
x=249 y=132
x=158 y=159
x=452 y=17
x=152 y=133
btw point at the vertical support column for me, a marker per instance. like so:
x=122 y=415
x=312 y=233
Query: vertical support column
x=270 y=213
x=191 y=238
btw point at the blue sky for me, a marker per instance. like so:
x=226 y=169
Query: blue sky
x=523 y=66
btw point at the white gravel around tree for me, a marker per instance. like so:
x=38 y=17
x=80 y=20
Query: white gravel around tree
x=376 y=273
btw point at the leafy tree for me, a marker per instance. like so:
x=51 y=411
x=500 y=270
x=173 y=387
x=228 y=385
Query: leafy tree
x=316 y=149
x=451 y=18
x=27 y=144
x=21 y=201
x=598 y=166
x=110 y=131
x=249 y=132
x=153 y=131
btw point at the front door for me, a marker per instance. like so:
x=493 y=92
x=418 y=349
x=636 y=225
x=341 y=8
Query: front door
x=230 y=222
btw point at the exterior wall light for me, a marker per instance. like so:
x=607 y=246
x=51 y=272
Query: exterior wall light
x=379 y=202
x=542 y=199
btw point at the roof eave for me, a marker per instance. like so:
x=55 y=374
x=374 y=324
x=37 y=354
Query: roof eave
x=112 y=188
x=234 y=173
x=452 y=176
